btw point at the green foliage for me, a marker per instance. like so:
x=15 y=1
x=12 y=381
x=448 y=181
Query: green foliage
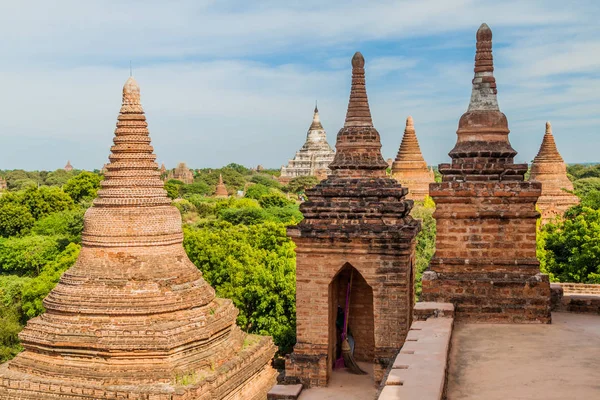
x=68 y=224
x=301 y=183
x=244 y=216
x=58 y=177
x=35 y=290
x=571 y=248
x=579 y=171
x=83 y=186
x=255 y=267
x=40 y=201
x=586 y=185
x=15 y=219
x=27 y=255
x=172 y=189
x=184 y=206
x=21 y=184
x=257 y=191
x=266 y=180
x=425 y=239
x=288 y=215
x=205 y=206
x=199 y=188
x=275 y=199
x=10 y=326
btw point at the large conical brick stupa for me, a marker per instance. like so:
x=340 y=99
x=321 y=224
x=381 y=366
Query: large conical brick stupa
x=549 y=169
x=133 y=318
x=485 y=260
x=357 y=231
x=410 y=168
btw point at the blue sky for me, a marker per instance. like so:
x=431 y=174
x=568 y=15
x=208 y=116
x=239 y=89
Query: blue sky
x=235 y=81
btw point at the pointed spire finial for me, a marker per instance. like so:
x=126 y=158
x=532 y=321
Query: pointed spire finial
x=409 y=122
x=548 y=127
x=358 y=113
x=483 y=95
x=316 y=106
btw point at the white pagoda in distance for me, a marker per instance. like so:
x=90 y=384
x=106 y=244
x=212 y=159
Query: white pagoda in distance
x=314 y=156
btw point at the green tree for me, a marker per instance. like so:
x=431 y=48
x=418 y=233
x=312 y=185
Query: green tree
x=301 y=183
x=244 y=216
x=58 y=177
x=586 y=185
x=255 y=267
x=83 y=186
x=274 y=199
x=266 y=180
x=68 y=223
x=15 y=219
x=27 y=255
x=257 y=191
x=425 y=239
x=172 y=188
x=200 y=188
x=288 y=215
x=35 y=290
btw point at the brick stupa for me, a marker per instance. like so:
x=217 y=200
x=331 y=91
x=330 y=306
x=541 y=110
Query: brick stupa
x=550 y=170
x=68 y=167
x=410 y=168
x=356 y=223
x=314 y=156
x=133 y=318
x=485 y=260
x=221 y=190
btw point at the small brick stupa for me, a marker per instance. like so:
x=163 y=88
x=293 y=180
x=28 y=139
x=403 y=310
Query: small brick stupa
x=221 y=188
x=356 y=226
x=485 y=260
x=182 y=173
x=410 y=168
x=550 y=170
x=3 y=183
x=68 y=167
x=133 y=318
x=314 y=156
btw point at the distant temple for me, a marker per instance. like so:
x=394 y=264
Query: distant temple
x=410 y=168
x=221 y=188
x=485 y=260
x=315 y=155
x=133 y=318
x=550 y=170
x=182 y=173
x=3 y=183
x=68 y=167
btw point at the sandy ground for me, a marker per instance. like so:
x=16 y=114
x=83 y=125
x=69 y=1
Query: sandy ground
x=346 y=386
x=560 y=361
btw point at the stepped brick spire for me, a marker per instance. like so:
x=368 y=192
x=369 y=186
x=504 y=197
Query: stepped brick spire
x=485 y=260
x=221 y=190
x=134 y=317
x=358 y=143
x=483 y=129
x=410 y=168
x=68 y=167
x=356 y=223
x=550 y=170
x=314 y=156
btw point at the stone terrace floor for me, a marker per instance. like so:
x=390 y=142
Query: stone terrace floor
x=345 y=386
x=526 y=362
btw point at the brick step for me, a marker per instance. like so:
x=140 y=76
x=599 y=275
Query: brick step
x=284 y=392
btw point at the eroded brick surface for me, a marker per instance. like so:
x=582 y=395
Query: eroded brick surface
x=357 y=224
x=133 y=317
x=485 y=261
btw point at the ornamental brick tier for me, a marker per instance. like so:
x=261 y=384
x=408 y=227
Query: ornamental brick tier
x=182 y=173
x=221 y=188
x=133 y=318
x=410 y=168
x=356 y=223
x=550 y=170
x=314 y=157
x=485 y=260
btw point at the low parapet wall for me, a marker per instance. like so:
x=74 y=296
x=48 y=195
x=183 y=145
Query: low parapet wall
x=419 y=370
x=575 y=297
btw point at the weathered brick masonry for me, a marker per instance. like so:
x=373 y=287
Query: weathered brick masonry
x=410 y=168
x=133 y=318
x=355 y=222
x=550 y=170
x=485 y=261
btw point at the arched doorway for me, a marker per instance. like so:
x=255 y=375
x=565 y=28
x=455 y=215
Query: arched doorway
x=361 y=320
